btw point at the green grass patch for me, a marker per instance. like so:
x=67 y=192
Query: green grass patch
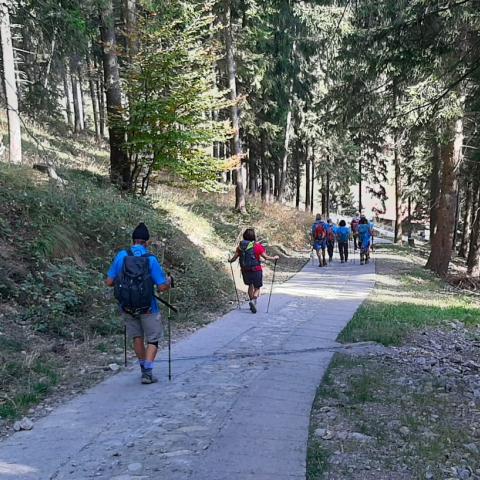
x=317 y=460
x=406 y=300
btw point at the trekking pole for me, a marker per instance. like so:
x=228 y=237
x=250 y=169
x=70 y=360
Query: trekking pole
x=170 y=332
x=235 y=285
x=271 y=288
x=125 y=343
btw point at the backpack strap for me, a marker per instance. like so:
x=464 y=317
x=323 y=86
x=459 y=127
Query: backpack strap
x=129 y=252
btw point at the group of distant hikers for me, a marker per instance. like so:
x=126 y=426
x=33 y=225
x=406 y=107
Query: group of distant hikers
x=324 y=234
x=135 y=273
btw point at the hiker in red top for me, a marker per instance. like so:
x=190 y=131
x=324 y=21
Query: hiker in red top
x=251 y=254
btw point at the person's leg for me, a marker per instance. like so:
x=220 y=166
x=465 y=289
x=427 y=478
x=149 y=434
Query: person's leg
x=257 y=279
x=341 y=252
x=251 y=292
x=324 y=247
x=319 y=256
x=152 y=325
x=345 y=251
x=136 y=333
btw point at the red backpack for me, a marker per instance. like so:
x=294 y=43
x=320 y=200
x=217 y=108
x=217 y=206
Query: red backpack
x=320 y=232
x=331 y=234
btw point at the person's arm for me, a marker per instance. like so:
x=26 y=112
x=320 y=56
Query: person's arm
x=115 y=269
x=268 y=257
x=235 y=256
x=161 y=280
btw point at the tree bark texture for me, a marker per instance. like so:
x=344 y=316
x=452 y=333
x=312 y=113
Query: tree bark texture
x=308 y=182
x=119 y=161
x=68 y=98
x=10 y=85
x=466 y=225
x=94 y=97
x=473 y=266
x=434 y=187
x=398 y=230
x=451 y=156
x=240 y=202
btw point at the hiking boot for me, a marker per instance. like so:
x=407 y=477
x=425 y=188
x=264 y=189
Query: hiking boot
x=148 y=378
x=361 y=262
x=253 y=307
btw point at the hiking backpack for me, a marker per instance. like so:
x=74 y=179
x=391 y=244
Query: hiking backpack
x=248 y=259
x=331 y=234
x=134 y=287
x=354 y=225
x=320 y=232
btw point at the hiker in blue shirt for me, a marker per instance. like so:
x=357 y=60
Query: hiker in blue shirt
x=330 y=238
x=365 y=239
x=319 y=239
x=343 y=234
x=143 y=322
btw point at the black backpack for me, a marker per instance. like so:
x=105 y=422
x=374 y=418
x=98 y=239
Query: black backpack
x=248 y=260
x=134 y=288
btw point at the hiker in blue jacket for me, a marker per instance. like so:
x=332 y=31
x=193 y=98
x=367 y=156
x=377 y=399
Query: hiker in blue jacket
x=135 y=294
x=319 y=239
x=365 y=238
x=343 y=234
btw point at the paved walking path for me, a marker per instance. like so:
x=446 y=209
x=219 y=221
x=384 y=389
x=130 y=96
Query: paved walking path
x=237 y=409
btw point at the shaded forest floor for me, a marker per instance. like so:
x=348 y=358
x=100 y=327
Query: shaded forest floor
x=59 y=328
x=410 y=408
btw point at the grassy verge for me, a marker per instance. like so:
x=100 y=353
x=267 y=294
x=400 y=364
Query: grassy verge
x=406 y=297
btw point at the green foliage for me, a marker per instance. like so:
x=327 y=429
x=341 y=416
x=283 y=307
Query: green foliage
x=172 y=95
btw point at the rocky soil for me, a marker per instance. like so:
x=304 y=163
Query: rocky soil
x=410 y=412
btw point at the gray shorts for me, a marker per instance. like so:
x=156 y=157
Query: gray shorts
x=148 y=325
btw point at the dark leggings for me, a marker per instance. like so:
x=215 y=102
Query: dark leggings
x=343 y=249
x=330 y=247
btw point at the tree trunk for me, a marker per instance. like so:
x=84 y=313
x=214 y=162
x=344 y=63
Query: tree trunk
x=307 y=181
x=68 y=98
x=473 y=267
x=466 y=225
x=276 y=178
x=451 y=157
x=286 y=152
x=398 y=231
x=240 y=202
x=360 y=204
x=100 y=89
x=252 y=167
x=298 y=182
x=130 y=15
x=77 y=96
x=434 y=188
x=10 y=85
x=119 y=161
x=83 y=110
x=455 y=223
x=312 y=190
x=327 y=195
x=94 y=97
x=324 y=196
